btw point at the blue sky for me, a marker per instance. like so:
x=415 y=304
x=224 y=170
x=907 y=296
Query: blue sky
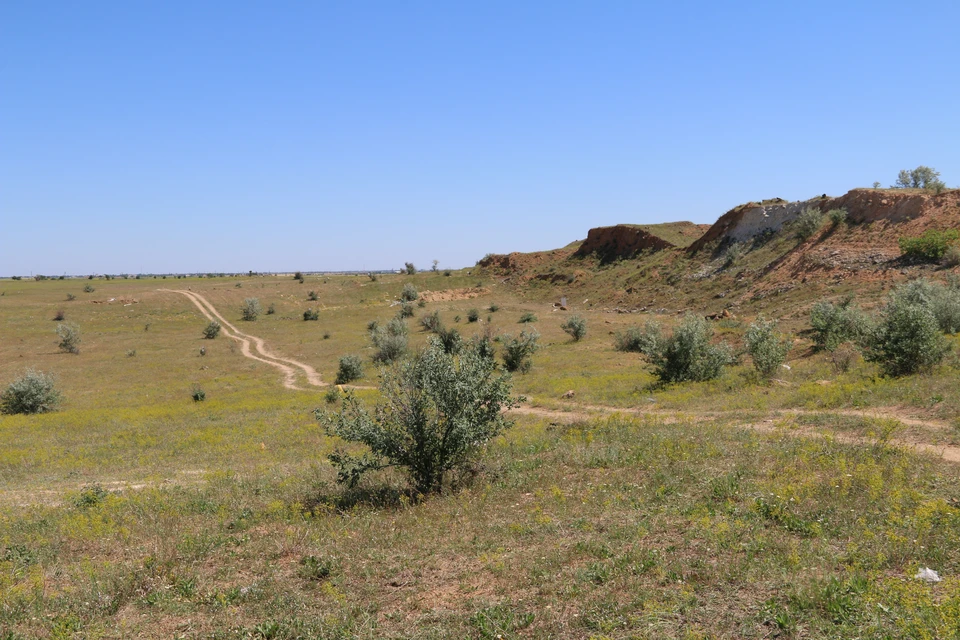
x=228 y=136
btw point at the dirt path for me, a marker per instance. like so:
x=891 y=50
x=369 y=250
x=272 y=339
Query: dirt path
x=287 y=366
x=948 y=453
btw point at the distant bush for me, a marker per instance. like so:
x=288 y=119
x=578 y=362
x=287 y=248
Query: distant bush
x=406 y=310
x=836 y=323
x=931 y=246
x=733 y=254
x=576 y=326
x=69 y=335
x=198 y=394
x=33 y=392
x=518 y=352
x=71 y=297
x=808 y=223
x=431 y=321
x=645 y=340
x=131 y=353
x=493 y=308
x=272 y=309
x=409 y=268
x=421 y=425
x=837 y=216
x=332 y=395
x=212 y=330
x=688 y=355
x=951 y=258
x=250 y=310
x=298 y=275
x=766 y=348
x=920 y=178
x=390 y=341
x=312 y=296
x=351 y=368
x=907 y=340
x=473 y=315
x=311 y=314
x=528 y=316
x=843 y=357
x=450 y=340
x=373 y=277
x=59 y=316
x=409 y=293
x=88 y=289
x=447 y=272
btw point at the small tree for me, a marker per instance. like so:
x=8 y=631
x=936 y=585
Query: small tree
x=834 y=324
x=69 y=335
x=212 y=330
x=33 y=392
x=433 y=268
x=576 y=326
x=438 y=412
x=766 y=348
x=250 y=310
x=409 y=293
x=646 y=340
x=688 y=355
x=389 y=341
x=920 y=178
x=351 y=368
x=518 y=352
x=409 y=268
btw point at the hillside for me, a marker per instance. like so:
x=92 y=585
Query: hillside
x=750 y=257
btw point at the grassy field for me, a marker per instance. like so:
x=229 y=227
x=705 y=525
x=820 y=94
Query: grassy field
x=701 y=510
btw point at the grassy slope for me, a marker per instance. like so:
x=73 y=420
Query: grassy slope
x=644 y=528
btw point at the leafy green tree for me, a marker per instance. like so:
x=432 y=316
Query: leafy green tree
x=436 y=414
x=908 y=339
x=688 y=355
x=766 y=348
x=920 y=178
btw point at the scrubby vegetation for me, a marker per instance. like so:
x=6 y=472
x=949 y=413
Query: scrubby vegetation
x=834 y=324
x=518 y=351
x=409 y=293
x=437 y=413
x=32 y=392
x=350 y=369
x=687 y=354
x=390 y=341
x=931 y=246
x=808 y=223
x=69 y=335
x=250 y=310
x=767 y=349
x=528 y=316
x=212 y=330
x=311 y=314
x=576 y=327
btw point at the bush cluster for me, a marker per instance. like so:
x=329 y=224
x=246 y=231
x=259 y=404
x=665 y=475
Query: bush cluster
x=33 y=392
x=834 y=324
x=931 y=246
x=409 y=293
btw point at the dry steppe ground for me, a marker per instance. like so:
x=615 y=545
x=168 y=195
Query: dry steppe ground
x=801 y=507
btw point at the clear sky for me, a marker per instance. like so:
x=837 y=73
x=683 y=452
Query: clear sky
x=155 y=136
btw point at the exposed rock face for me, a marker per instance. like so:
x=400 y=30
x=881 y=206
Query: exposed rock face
x=750 y=220
x=870 y=205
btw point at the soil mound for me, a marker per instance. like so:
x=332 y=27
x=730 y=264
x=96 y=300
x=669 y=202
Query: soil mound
x=625 y=241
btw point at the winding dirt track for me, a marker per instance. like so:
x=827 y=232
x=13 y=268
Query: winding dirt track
x=287 y=366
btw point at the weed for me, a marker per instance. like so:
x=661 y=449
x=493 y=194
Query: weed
x=59 y=316
x=493 y=308
x=90 y=495
x=271 y=309
x=312 y=296
x=332 y=395
x=316 y=569
x=198 y=394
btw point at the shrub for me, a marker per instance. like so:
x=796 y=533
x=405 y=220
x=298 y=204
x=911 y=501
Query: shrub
x=833 y=324
x=406 y=310
x=409 y=293
x=312 y=296
x=473 y=315
x=351 y=368
x=437 y=414
x=920 y=178
x=493 y=308
x=733 y=254
x=71 y=297
x=843 y=357
x=389 y=341
x=837 y=216
x=908 y=339
x=456 y=318
x=311 y=314
x=272 y=309
x=298 y=276
x=332 y=394
x=431 y=321
x=198 y=394
x=212 y=330
x=326 y=335
x=951 y=257
x=33 y=392
x=88 y=289
x=930 y=246
x=808 y=223
x=69 y=335
x=518 y=352
x=528 y=316
x=447 y=272
x=373 y=277
x=131 y=353
x=576 y=326
x=409 y=268
x=645 y=340
x=766 y=348
x=250 y=309
x=688 y=355
x=450 y=340
x=59 y=316
x=942 y=301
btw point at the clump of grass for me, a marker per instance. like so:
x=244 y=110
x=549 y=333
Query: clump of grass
x=316 y=569
x=131 y=353
x=212 y=330
x=528 y=316
x=71 y=297
x=271 y=309
x=33 y=392
x=576 y=327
